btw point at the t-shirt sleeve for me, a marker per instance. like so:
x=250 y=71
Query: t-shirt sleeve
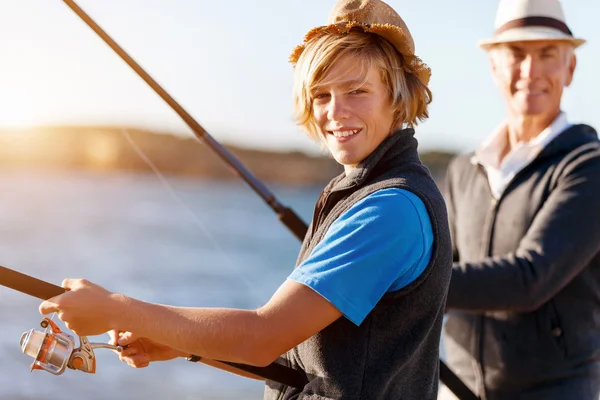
x=381 y=244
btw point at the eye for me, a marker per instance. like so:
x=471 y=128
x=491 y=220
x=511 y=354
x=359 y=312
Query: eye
x=357 y=91
x=320 y=96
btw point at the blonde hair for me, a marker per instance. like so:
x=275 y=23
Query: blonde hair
x=409 y=96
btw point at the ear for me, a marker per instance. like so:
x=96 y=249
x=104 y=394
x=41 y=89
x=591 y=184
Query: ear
x=571 y=71
x=493 y=60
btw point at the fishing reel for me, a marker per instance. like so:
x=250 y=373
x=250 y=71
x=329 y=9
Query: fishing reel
x=54 y=350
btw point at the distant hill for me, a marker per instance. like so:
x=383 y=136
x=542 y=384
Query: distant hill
x=108 y=148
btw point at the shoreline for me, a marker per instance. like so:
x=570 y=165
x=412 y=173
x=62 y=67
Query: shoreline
x=99 y=148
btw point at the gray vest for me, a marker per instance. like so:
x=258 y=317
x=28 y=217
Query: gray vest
x=394 y=353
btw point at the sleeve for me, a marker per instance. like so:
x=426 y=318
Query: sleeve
x=381 y=244
x=562 y=240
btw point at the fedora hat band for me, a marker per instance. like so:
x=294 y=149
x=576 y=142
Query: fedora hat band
x=535 y=21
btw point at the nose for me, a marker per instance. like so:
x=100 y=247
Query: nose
x=530 y=67
x=337 y=109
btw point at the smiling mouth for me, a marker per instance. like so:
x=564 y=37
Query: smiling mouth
x=346 y=133
x=528 y=92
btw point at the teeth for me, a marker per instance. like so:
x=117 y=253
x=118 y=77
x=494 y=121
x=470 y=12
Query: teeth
x=344 y=133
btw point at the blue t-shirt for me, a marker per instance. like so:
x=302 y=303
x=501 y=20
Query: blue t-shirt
x=381 y=244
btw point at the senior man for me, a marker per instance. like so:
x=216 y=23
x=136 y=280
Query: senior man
x=524 y=302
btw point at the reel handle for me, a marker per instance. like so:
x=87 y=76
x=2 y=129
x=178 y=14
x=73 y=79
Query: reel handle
x=106 y=346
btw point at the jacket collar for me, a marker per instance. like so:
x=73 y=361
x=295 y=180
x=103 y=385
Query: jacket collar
x=569 y=139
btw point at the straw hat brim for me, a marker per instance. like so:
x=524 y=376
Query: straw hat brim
x=529 y=34
x=391 y=33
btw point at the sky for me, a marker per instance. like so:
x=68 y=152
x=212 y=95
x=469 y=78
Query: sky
x=226 y=63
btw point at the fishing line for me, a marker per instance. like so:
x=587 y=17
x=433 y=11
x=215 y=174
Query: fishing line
x=177 y=198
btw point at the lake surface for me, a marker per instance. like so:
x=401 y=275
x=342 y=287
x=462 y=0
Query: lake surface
x=188 y=243
x=176 y=241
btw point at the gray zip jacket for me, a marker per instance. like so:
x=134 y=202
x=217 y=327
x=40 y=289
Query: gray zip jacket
x=524 y=299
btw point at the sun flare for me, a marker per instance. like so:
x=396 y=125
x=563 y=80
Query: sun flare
x=15 y=113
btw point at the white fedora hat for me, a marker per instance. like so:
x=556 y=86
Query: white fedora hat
x=528 y=20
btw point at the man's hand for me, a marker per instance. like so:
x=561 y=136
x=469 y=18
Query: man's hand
x=86 y=308
x=140 y=352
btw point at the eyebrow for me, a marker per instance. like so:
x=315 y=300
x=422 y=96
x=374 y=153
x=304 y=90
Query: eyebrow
x=355 y=82
x=515 y=49
x=346 y=83
x=549 y=47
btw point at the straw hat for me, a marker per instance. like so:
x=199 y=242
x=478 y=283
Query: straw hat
x=373 y=16
x=528 y=20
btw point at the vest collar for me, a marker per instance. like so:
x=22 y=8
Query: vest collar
x=400 y=143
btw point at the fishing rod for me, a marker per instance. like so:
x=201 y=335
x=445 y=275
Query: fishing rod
x=54 y=350
x=286 y=215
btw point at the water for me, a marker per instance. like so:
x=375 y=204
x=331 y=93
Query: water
x=216 y=244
